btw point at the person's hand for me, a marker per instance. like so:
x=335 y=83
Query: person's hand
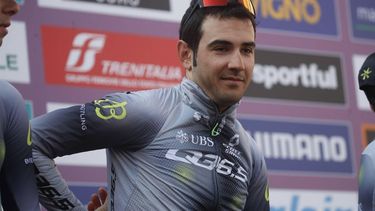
x=98 y=201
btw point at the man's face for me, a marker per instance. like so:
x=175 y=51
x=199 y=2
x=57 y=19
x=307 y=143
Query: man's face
x=225 y=59
x=7 y=9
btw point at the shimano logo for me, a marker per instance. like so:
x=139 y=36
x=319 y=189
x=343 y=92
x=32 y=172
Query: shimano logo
x=306 y=75
x=280 y=145
x=82 y=56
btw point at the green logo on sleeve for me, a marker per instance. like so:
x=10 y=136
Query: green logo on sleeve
x=29 y=142
x=108 y=109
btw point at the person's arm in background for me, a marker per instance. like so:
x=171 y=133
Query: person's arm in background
x=366 y=192
x=17 y=180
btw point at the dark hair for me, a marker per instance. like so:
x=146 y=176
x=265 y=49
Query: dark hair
x=191 y=31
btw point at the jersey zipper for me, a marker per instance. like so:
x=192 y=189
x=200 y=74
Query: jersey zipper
x=215 y=133
x=215 y=178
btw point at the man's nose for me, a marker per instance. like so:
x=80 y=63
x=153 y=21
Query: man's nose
x=11 y=7
x=236 y=61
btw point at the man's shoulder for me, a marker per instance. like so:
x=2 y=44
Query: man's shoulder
x=9 y=95
x=370 y=149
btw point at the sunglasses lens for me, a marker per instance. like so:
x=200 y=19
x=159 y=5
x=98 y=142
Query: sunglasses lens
x=209 y=3
x=249 y=6
x=212 y=3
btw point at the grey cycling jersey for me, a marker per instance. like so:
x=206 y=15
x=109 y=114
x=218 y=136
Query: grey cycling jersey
x=17 y=181
x=168 y=149
x=366 y=191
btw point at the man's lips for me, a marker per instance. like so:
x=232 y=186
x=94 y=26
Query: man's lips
x=3 y=29
x=233 y=78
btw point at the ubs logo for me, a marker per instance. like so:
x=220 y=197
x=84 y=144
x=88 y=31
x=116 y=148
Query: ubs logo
x=183 y=137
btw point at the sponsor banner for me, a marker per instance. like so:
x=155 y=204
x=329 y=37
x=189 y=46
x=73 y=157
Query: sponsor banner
x=368 y=134
x=20 y=2
x=297 y=76
x=304 y=147
x=363 y=18
x=146 y=4
x=14 y=59
x=109 y=60
x=362 y=101
x=29 y=109
x=305 y=16
x=280 y=199
x=162 y=10
x=94 y=158
x=312 y=200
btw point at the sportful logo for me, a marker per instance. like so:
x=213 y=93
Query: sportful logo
x=297 y=76
x=85 y=47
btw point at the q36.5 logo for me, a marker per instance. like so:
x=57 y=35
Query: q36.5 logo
x=108 y=109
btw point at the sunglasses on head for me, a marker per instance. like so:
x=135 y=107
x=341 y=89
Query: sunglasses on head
x=248 y=4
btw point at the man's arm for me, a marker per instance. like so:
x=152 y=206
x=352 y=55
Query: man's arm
x=17 y=180
x=117 y=120
x=366 y=191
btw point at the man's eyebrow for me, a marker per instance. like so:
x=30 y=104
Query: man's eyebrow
x=227 y=43
x=219 y=42
x=249 y=44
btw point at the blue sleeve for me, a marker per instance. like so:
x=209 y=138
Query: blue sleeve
x=17 y=180
x=366 y=194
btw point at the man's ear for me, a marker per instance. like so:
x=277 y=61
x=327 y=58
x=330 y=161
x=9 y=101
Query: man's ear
x=184 y=54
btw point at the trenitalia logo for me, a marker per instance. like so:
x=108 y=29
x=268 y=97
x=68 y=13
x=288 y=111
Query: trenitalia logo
x=322 y=148
x=85 y=47
x=109 y=60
